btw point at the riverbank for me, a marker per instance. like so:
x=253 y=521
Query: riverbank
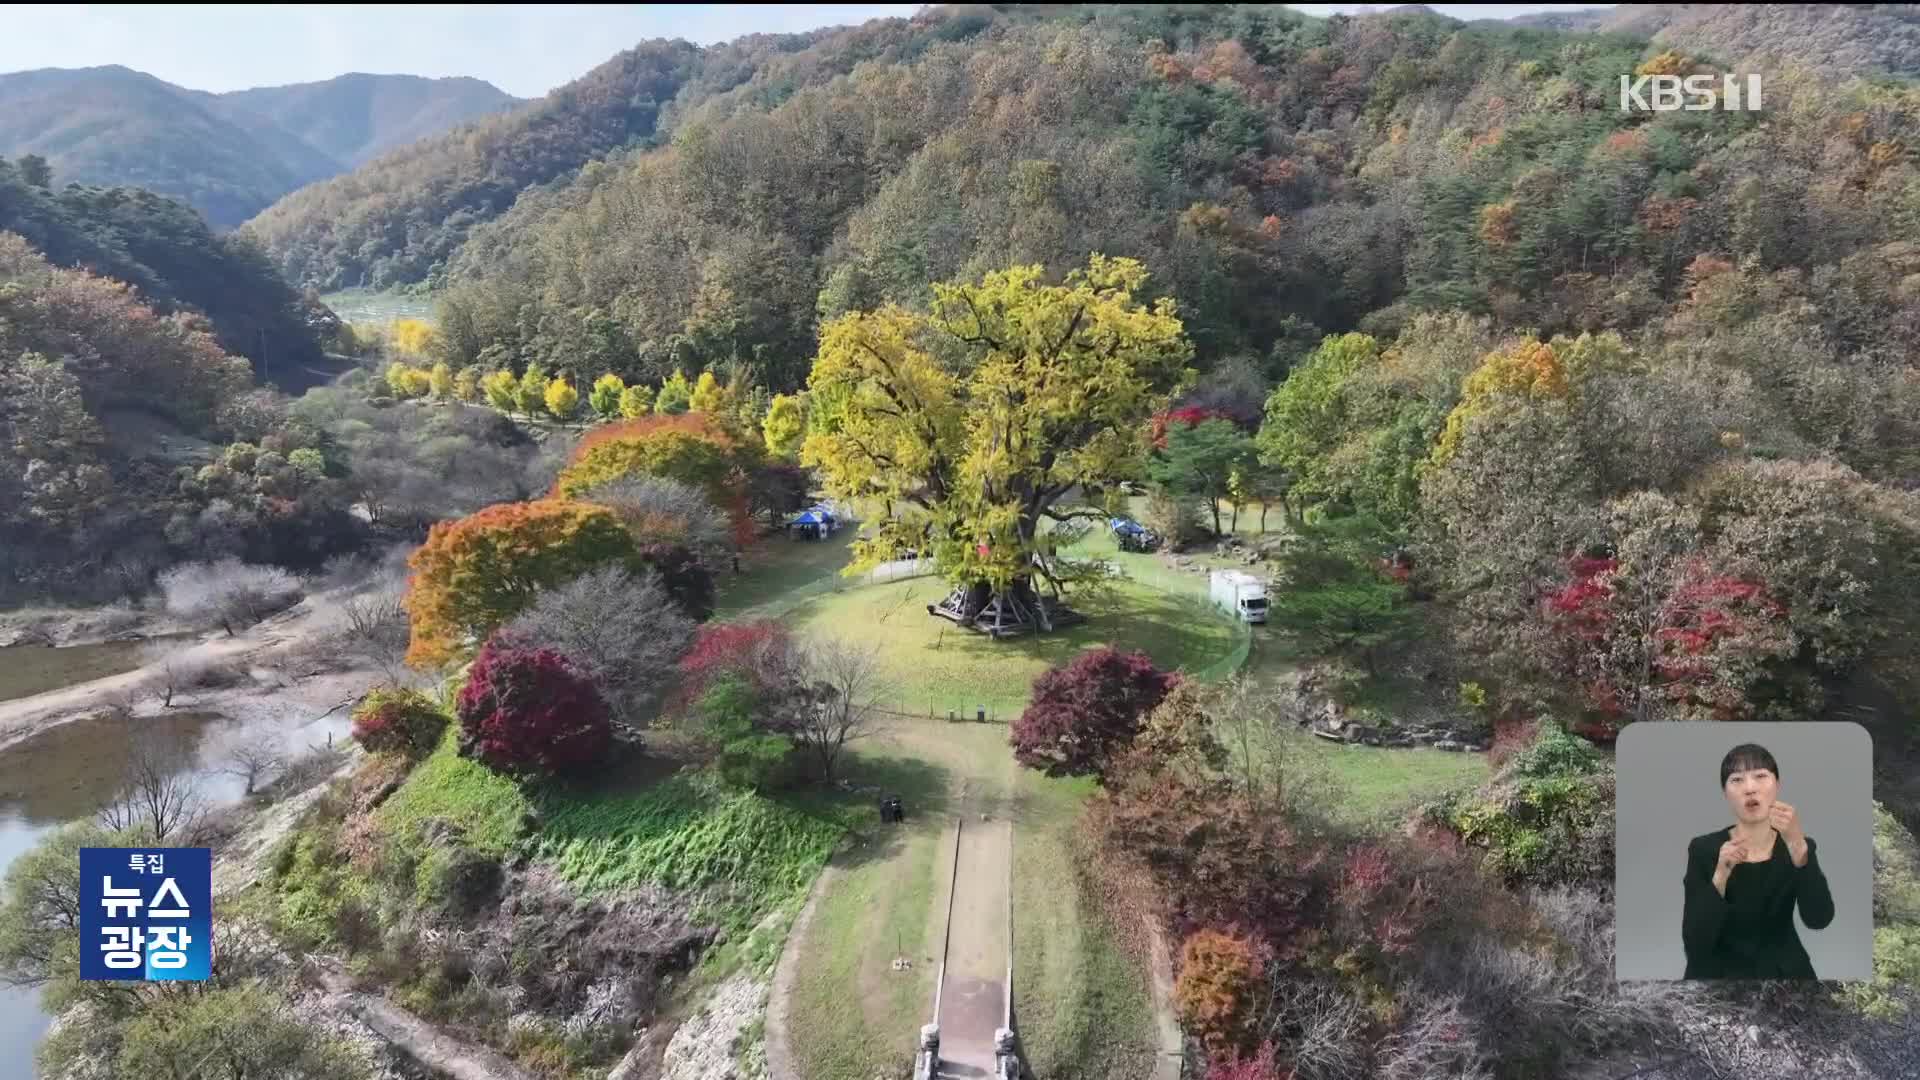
x=255 y=672
x=68 y=627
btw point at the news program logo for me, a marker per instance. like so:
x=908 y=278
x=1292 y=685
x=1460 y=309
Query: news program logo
x=1690 y=93
x=146 y=914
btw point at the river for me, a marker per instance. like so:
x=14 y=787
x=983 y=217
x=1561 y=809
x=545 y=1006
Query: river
x=69 y=771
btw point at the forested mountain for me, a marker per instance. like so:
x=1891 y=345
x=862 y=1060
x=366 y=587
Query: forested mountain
x=167 y=253
x=395 y=220
x=1714 y=309
x=228 y=155
x=1280 y=175
x=1843 y=38
x=356 y=118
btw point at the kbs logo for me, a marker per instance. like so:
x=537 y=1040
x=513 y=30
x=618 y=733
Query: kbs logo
x=1694 y=93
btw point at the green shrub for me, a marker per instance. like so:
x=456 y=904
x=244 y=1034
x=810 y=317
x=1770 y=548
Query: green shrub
x=398 y=721
x=1896 y=935
x=748 y=756
x=1547 y=819
x=1556 y=752
x=253 y=1031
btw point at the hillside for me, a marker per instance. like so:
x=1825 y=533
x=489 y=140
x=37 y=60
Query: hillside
x=226 y=155
x=1280 y=175
x=349 y=231
x=356 y=118
x=167 y=253
x=1839 y=38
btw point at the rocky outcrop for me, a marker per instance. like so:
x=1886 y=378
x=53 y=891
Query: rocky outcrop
x=1304 y=699
x=708 y=1045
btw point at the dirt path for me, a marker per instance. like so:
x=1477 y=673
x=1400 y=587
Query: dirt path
x=973 y=997
x=421 y=1040
x=780 y=1063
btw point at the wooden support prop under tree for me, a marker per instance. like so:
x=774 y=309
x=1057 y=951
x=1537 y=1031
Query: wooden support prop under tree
x=1004 y=613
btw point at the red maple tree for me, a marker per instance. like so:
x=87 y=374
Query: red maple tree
x=1085 y=713
x=531 y=711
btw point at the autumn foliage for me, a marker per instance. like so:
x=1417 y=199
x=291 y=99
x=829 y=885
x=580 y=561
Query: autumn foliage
x=756 y=651
x=689 y=447
x=398 y=721
x=1085 y=713
x=531 y=711
x=1714 y=637
x=1262 y=1064
x=1219 y=975
x=1717 y=629
x=1185 y=416
x=476 y=573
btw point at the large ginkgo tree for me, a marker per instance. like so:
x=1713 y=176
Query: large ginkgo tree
x=963 y=430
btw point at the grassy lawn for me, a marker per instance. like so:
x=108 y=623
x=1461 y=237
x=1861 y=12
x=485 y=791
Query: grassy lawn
x=486 y=806
x=852 y=1015
x=774 y=569
x=931 y=664
x=1376 y=785
x=1080 y=1003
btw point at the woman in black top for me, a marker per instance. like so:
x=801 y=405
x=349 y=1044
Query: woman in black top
x=1742 y=883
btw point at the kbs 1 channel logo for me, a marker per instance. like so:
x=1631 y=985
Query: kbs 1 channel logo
x=146 y=914
x=1690 y=93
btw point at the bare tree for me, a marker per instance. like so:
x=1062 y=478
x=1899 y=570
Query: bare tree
x=307 y=768
x=625 y=632
x=158 y=790
x=123 y=701
x=228 y=593
x=256 y=760
x=839 y=701
x=377 y=629
x=175 y=670
x=657 y=507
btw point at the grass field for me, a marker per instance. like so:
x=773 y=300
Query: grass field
x=487 y=807
x=931 y=664
x=774 y=569
x=853 y=1016
x=1081 y=1003
x=1375 y=785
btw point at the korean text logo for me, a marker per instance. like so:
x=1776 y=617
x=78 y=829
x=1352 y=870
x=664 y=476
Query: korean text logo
x=146 y=913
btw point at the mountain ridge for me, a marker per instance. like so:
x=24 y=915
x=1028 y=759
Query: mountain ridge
x=228 y=155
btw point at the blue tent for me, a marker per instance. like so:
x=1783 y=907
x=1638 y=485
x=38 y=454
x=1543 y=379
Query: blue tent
x=1125 y=525
x=812 y=517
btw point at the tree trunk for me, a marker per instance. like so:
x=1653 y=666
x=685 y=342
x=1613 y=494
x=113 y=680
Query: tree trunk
x=1263 y=517
x=1215 y=504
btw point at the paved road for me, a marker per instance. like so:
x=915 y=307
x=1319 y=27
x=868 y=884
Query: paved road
x=973 y=998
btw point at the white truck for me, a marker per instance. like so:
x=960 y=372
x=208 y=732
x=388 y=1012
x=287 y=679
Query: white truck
x=1240 y=594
